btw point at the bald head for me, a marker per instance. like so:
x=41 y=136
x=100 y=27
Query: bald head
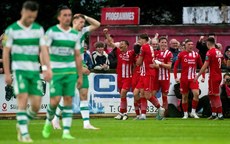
x=174 y=43
x=154 y=43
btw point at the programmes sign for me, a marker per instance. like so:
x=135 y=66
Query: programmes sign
x=120 y=16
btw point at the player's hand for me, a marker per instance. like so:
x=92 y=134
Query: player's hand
x=202 y=80
x=105 y=30
x=79 y=82
x=47 y=74
x=76 y=15
x=8 y=79
x=201 y=38
x=156 y=35
x=158 y=62
x=85 y=71
x=177 y=80
x=195 y=79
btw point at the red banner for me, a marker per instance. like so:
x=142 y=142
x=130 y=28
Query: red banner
x=120 y=16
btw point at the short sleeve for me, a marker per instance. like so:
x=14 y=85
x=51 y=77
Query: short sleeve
x=170 y=57
x=78 y=44
x=8 y=38
x=42 y=41
x=48 y=38
x=85 y=30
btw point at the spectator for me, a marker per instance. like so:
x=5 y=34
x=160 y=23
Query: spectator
x=87 y=57
x=1 y=61
x=201 y=46
x=174 y=45
x=219 y=46
x=225 y=95
x=100 y=57
x=226 y=62
x=154 y=42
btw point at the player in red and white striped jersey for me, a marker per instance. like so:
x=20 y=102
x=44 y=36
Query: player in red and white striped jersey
x=189 y=60
x=164 y=59
x=125 y=59
x=146 y=59
x=213 y=60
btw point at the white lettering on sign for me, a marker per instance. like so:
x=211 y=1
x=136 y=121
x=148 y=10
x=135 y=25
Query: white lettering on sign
x=119 y=16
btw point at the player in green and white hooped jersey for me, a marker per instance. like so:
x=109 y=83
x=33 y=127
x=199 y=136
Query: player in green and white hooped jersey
x=78 y=24
x=24 y=39
x=64 y=47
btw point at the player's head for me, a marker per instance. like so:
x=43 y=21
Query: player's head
x=210 y=42
x=100 y=46
x=163 y=43
x=144 y=38
x=124 y=44
x=137 y=48
x=154 y=43
x=226 y=78
x=29 y=12
x=189 y=45
x=64 y=15
x=78 y=21
x=211 y=35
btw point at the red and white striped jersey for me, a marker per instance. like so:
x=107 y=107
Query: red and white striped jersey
x=148 y=54
x=125 y=63
x=188 y=61
x=165 y=57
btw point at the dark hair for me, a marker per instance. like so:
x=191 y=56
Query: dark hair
x=126 y=42
x=187 y=40
x=99 y=44
x=30 y=5
x=77 y=16
x=226 y=74
x=163 y=38
x=211 y=34
x=211 y=40
x=144 y=36
x=137 y=48
x=60 y=8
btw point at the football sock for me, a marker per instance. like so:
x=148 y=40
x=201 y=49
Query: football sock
x=22 y=121
x=50 y=114
x=123 y=105
x=154 y=101
x=165 y=102
x=84 y=109
x=185 y=107
x=67 y=115
x=194 y=106
x=143 y=105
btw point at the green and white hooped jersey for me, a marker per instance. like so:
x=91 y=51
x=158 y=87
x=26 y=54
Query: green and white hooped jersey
x=82 y=35
x=24 y=44
x=62 y=45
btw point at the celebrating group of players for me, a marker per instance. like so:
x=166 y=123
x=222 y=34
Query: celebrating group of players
x=152 y=73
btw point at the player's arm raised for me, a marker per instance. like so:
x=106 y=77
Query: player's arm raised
x=109 y=39
x=94 y=24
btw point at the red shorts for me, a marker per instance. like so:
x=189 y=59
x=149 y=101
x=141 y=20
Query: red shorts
x=124 y=83
x=185 y=85
x=163 y=85
x=148 y=83
x=140 y=84
x=135 y=80
x=214 y=86
x=155 y=83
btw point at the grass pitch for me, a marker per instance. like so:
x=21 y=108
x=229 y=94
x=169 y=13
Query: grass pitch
x=150 y=131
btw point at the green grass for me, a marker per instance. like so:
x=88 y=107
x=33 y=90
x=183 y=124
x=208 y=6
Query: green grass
x=170 y=131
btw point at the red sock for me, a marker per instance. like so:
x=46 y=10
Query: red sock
x=136 y=106
x=212 y=102
x=165 y=102
x=218 y=104
x=154 y=101
x=194 y=104
x=185 y=107
x=123 y=105
x=143 y=105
